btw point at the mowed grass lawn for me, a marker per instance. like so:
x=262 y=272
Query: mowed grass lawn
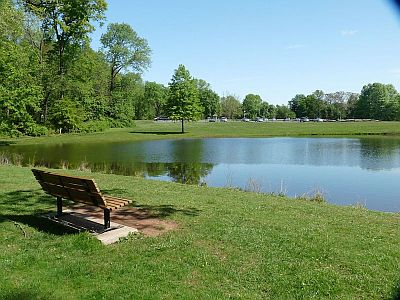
x=145 y=130
x=229 y=244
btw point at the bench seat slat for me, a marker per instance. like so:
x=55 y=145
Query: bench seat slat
x=109 y=199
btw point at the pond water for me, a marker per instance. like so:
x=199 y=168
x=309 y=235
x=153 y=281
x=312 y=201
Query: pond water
x=347 y=171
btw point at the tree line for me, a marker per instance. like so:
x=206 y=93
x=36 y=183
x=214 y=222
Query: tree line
x=52 y=80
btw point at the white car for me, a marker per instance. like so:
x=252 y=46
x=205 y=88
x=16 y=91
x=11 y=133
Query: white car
x=223 y=119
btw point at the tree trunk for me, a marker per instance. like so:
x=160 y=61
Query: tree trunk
x=112 y=80
x=183 y=131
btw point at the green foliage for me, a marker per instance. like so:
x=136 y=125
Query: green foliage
x=127 y=95
x=94 y=126
x=34 y=129
x=231 y=107
x=283 y=112
x=210 y=101
x=252 y=105
x=66 y=115
x=154 y=100
x=378 y=101
x=66 y=23
x=124 y=49
x=87 y=83
x=183 y=99
x=20 y=92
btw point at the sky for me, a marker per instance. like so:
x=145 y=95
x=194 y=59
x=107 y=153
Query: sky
x=273 y=48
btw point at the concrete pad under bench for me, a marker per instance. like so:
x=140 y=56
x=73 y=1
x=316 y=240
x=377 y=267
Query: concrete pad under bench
x=93 y=225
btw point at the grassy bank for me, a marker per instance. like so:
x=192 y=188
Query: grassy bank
x=229 y=244
x=160 y=130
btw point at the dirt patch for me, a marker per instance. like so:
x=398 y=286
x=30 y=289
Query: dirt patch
x=129 y=216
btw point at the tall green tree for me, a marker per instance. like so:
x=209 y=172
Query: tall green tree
x=265 y=110
x=125 y=99
x=64 y=29
x=298 y=105
x=231 y=107
x=283 y=112
x=67 y=22
x=377 y=101
x=183 y=99
x=252 y=105
x=88 y=84
x=124 y=49
x=210 y=101
x=155 y=98
x=20 y=90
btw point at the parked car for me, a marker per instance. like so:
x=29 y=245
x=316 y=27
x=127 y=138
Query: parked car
x=161 y=119
x=223 y=119
x=319 y=120
x=304 y=119
x=259 y=119
x=245 y=120
x=212 y=120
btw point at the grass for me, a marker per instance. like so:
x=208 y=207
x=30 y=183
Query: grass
x=230 y=244
x=146 y=130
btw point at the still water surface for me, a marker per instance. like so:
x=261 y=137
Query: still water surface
x=347 y=170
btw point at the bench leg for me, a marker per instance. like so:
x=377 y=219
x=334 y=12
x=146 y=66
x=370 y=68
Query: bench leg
x=59 y=206
x=106 y=219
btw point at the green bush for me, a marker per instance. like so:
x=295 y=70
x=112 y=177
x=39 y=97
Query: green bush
x=36 y=130
x=94 y=126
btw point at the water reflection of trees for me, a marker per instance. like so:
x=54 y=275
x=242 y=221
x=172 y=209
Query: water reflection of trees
x=190 y=173
x=379 y=153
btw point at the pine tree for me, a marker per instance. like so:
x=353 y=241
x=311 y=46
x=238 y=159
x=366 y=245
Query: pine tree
x=183 y=99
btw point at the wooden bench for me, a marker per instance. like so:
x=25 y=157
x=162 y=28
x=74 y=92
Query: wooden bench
x=78 y=189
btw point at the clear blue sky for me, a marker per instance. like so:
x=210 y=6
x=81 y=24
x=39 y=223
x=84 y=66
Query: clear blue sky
x=274 y=48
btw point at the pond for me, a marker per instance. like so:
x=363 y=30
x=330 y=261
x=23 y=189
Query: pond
x=363 y=171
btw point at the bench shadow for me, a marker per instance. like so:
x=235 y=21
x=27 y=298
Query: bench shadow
x=157 y=132
x=25 y=201
x=23 y=295
x=155 y=211
x=396 y=293
x=41 y=223
x=28 y=207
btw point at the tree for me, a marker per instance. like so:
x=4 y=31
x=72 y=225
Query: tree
x=125 y=100
x=155 y=97
x=183 y=99
x=87 y=84
x=210 y=101
x=351 y=105
x=67 y=22
x=230 y=107
x=124 y=49
x=298 y=105
x=376 y=101
x=20 y=90
x=267 y=110
x=283 y=112
x=252 y=105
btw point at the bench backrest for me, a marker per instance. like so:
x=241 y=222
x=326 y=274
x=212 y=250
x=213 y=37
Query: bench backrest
x=68 y=187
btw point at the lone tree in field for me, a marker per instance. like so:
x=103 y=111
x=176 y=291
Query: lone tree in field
x=183 y=99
